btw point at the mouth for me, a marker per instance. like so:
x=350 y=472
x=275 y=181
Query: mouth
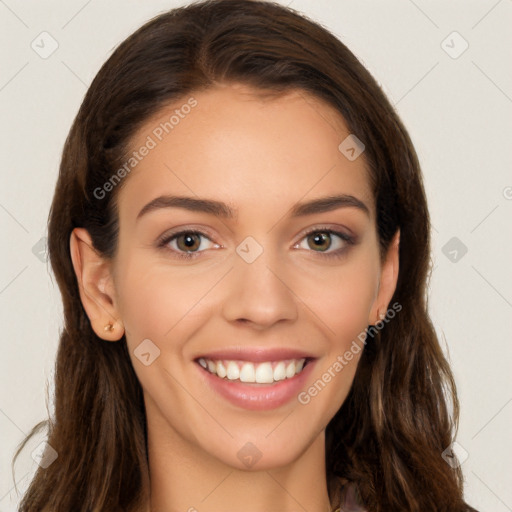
x=256 y=385
x=249 y=372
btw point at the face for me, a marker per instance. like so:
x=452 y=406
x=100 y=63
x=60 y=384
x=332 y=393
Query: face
x=262 y=290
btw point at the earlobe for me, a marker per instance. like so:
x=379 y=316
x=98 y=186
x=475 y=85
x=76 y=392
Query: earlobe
x=388 y=280
x=96 y=287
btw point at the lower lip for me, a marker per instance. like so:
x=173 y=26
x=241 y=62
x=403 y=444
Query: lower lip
x=259 y=397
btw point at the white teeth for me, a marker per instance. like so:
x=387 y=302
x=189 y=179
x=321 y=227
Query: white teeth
x=221 y=370
x=247 y=373
x=279 y=371
x=233 y=372
x=261 y=373
x=264 y=373
x=290 y=370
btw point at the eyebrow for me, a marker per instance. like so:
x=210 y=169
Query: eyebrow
x=220 y=209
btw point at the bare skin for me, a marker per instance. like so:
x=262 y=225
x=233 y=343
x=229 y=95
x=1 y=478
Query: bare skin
x=261 y=158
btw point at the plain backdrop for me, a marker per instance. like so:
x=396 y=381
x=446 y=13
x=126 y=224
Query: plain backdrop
x=446 y=68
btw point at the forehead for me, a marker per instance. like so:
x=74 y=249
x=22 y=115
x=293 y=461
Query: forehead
x=232 y=144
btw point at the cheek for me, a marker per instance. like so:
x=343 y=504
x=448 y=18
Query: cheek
x=152 y=301
x=342 y=297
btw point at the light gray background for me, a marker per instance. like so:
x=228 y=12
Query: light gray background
x=457 y=110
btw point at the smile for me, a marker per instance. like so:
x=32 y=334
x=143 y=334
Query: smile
x=260 y=373
x=254 y=385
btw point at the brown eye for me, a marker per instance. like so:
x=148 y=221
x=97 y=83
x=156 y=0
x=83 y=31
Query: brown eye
x=320 y=240
x=185 y=244
x=188 y=242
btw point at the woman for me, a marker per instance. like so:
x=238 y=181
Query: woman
x=237 y=203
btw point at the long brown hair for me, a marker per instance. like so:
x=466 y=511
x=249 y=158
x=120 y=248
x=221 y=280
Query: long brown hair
x=402 y=411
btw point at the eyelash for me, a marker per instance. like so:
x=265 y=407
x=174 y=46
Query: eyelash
x=165 y=239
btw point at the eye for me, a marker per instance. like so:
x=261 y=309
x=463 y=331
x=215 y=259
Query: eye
x=185 y=244
x=188 y=244
x=322 y=239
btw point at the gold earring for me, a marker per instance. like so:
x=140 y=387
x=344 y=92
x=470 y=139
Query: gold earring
x=109 y=327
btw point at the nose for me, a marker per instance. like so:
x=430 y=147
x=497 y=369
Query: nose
x=260 y=293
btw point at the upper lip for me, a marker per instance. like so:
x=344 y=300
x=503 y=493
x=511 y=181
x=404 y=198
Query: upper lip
x=256 y=355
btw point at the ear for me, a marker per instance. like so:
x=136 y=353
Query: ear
x=96 y=286
x=387 y=282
